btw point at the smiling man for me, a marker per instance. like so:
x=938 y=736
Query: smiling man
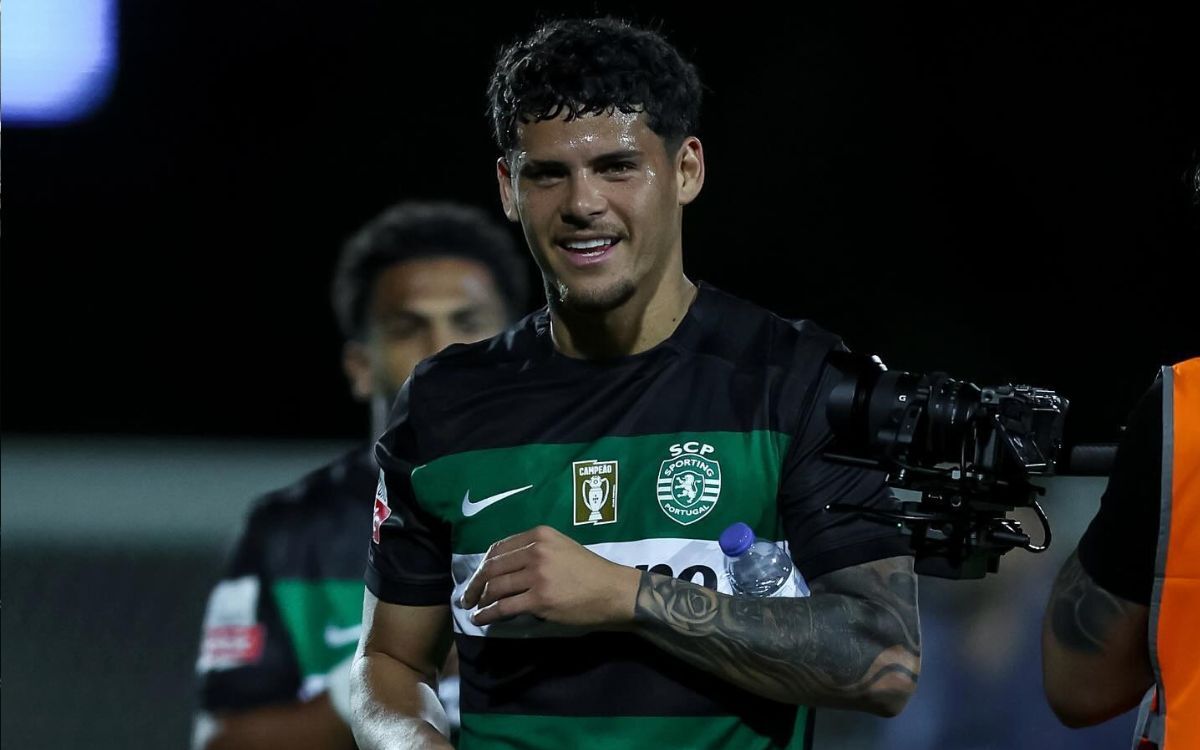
x=552 y=497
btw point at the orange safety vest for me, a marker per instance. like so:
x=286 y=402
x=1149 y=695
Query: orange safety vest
x=1170 y=714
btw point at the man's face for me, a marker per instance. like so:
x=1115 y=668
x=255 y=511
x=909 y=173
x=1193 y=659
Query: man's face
x=416 y=309
x=600 y=201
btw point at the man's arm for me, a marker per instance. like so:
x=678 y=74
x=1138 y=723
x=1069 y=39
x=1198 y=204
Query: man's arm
x=393 y=684
x=249 y=674
x=1095 y=649
x=855 y=643
x=1095 y=654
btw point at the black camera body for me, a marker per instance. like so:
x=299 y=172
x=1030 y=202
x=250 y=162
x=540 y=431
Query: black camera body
x=971 y=452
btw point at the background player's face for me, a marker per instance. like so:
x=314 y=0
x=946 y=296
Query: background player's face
x=417 y=308
x=600 y=202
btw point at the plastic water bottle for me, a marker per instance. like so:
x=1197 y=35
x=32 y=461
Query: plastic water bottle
x=757 y=567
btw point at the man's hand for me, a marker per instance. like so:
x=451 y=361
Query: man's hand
x=548 y=575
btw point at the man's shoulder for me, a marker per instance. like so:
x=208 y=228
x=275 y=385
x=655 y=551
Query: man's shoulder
x=513 y=347
x=738 y=329
x=343 y=482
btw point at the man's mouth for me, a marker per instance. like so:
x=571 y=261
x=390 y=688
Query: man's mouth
x=587 y=251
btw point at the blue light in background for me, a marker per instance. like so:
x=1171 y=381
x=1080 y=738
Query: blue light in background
x=57 y=58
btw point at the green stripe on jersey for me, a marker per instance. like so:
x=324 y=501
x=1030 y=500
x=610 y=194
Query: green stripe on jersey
x=614 y=489
x=620 y=732
x=323 y=618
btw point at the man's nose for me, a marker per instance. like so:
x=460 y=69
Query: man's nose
x=584 y=201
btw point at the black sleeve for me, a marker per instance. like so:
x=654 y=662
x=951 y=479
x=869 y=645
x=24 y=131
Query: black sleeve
x=822 y=541
x=1118 y=548
x=246 y=656
x=409 y=557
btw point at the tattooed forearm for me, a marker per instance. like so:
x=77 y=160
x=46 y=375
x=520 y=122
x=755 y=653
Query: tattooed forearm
x=1083 y=615
x=855 y=643
x=1095 y=653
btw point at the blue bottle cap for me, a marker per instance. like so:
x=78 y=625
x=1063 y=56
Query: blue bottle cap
x=736 y=539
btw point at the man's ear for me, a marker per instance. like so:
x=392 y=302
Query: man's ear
x=689 y=170
x=508 y=199
x=356 y=363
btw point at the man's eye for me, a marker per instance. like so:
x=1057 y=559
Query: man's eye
x=471 y=323
x=542 y=176
x=619 y=167
x=400 y=329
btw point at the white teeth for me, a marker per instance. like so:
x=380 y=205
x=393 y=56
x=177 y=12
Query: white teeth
x=589 y=244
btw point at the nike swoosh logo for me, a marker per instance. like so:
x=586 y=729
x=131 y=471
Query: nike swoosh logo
x=471 y=508
x=336 y=637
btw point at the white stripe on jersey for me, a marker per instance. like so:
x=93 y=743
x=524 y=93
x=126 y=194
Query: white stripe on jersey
x=700 y=557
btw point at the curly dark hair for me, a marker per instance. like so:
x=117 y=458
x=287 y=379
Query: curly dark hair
x=411 y=231
x=589 y=67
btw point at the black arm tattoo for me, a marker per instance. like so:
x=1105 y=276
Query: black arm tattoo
x=1083 y=615
x=855 y=643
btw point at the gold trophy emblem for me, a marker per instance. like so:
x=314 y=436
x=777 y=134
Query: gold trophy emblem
x=595 y=492
x=596 y=489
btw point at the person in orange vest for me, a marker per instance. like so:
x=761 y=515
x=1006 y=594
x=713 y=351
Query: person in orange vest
x=1121 y=623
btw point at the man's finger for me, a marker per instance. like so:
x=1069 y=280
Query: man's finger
x=494 y=564
x=501 y=586
x=510 y=606
x=516 y=541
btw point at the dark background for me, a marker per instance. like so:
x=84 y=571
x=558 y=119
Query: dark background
x=999 y=194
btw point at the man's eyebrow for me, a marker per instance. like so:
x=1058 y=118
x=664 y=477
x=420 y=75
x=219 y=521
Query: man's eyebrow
x=628 y=153
x=467 y=310
x=537 y=165
x=402 y=314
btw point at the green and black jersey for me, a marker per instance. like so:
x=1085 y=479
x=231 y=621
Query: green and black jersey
x=645 y=460
x=290 y=605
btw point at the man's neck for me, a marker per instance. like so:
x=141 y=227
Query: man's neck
x=639 y=324
x=381 y=407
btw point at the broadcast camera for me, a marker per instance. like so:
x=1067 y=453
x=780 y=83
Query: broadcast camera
x=971 y=453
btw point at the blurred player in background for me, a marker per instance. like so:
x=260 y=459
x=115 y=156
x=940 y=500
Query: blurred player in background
x=281 y=625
